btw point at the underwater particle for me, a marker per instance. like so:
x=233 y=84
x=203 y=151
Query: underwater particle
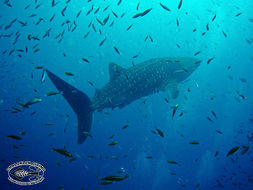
x=164 y=7
x=14 y=137
x=63 y=152
x=113 y=143
x=160 y=132
x=69 y=74
x=232 y=151
x=194 y=142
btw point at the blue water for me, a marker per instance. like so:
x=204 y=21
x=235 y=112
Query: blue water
x=223 y=86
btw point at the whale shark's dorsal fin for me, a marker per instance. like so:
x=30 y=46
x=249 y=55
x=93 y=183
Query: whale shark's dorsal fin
x=115 y=70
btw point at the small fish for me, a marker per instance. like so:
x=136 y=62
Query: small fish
x=172 y=162
x=112 y=178
x=115 y=14
x=119 y=2
x=180 y=4
x=125 y=126
x=87 y=134
x=214 y=114
x=238 y=14
x=214 y=17
x=102 y=42
x=106 y=19
x=194 y=142
x=245 y=149
x=207 y=27
x=220 y=132
x=113 y=143
x=91 y=83
x=149 y=157
x=128 y=28
x=63 y=10
x=14 y=137
x=209 y=119
x=69 y=73
x=216 y=153
x=174 y=110
x=63 y=152
x=209 y=60
x=198 y=52
x=160 y=132
x=106 y=182
x=164 y=7
x=43 y=76
x=32 y=101
x=233 y=150
x=111 y=137
x=52 y=93
x=78 y=14
x=137 y=7
x=116 y=49
x=224 y=33
x=86 y=60
x=85 y=36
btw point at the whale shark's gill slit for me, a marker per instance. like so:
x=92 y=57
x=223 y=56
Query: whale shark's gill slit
x=79 y=102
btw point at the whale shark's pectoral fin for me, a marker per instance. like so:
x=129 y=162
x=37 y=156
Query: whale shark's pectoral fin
x=115 y=70
x=172 y=87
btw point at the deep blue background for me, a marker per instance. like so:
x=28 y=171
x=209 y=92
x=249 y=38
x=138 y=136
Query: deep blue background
x=212 y=87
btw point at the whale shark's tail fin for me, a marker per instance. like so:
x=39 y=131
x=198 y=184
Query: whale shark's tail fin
x=79 y=102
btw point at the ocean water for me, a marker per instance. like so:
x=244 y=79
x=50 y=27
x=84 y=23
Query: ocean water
x=212 y=114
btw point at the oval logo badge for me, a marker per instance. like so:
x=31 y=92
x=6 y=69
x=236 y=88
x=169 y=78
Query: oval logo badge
x=26 y=173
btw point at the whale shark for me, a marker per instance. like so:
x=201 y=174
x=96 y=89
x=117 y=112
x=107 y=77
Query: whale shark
x=125 y=86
